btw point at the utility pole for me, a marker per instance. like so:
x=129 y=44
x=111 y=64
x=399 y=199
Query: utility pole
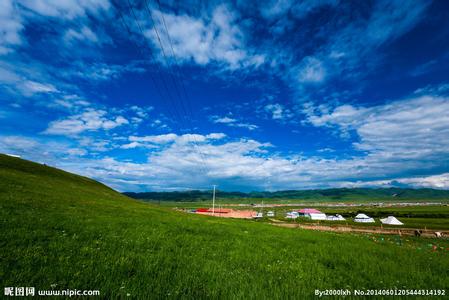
x=213 y=202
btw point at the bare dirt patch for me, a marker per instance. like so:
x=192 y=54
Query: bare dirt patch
x=239 y=214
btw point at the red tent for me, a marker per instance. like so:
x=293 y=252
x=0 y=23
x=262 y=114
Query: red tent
x=202 y=209
x=210 y=210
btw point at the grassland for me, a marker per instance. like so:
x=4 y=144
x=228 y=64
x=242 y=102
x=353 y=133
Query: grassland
x=419 y=217
x=65 y=230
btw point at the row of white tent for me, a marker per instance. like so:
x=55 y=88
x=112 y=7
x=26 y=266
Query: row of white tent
x=359 y=218
x=390 y=220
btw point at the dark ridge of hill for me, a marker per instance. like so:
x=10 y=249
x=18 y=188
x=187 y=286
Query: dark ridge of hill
x=336 y=194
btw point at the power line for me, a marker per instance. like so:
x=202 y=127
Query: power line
x=167 y=90
x=166 y=60
x=169 y=65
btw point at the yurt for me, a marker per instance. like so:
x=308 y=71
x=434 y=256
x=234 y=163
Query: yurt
x=335 y=218
x=362 y=218
x=340 y=218
x=391 y=221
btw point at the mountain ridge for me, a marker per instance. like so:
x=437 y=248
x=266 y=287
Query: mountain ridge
x=315 y=194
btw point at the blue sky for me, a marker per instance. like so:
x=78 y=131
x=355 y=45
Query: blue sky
x=263 y=95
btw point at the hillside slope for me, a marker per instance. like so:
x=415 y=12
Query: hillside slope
x=63 y=231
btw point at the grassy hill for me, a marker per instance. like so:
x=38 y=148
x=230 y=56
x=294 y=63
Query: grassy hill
x=60 y=231
x=340 y=194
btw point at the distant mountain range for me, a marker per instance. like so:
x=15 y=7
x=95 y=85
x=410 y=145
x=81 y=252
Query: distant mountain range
x=340 y=194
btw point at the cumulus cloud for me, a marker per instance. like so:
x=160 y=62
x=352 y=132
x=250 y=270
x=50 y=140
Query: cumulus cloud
x=232 y=122
x=215 y=38
x=278 y=111
x=440 y=181
x=175 y=161
x=153 y=141
x=68 y=9
x=45 y=151
x=224 y=120
x=32 y=87
x=311 y=70
x=11 y=26
x=415 y=128
x=15 y=14
x=84 y=34
x=89 y=120
x=13 y=78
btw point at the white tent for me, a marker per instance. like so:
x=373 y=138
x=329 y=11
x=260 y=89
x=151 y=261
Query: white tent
x=340 y=218
x=335 y=218
x=391 y=221
x=362 y=218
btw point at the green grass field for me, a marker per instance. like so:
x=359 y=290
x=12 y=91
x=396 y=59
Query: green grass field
x=420 y=217
x=65 y=230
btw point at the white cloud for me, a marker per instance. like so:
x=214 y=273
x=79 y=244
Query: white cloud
x=151 y=140
x=278 y=111
x=39 y=150
x=11 y=77
x=176 y=161
x=11 y=26
x=435 y=181
x=156 y=139
x=216 y=38
x=440 y=181
x=141 y=112
x=15 y=14
x=84 y=34
x=66 y=9
x=224 y=120
x=245 y=125
x=411 y=128
x=232 y=122
x=89 y=120
x=33 y=87
x=215 y=136
x=311 y=70
x=18 y=143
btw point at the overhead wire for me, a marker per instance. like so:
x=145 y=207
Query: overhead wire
x=179 y=115
x=186 y=107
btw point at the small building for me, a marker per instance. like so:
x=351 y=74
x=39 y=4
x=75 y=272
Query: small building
x=270 y=213
x=362 y=218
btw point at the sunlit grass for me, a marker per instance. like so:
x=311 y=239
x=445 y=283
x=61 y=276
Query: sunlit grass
x=62 y=229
